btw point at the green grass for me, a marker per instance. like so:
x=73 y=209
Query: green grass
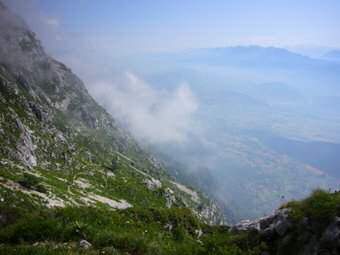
x=136 y=230
x=22 y=250
x=30 y=181
x=55 y=249
x=321 y=205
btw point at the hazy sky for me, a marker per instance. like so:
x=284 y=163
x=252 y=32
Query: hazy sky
x=129 y=26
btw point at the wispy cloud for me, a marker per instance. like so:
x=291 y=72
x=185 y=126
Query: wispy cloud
x=156 y=115
x=52 y=22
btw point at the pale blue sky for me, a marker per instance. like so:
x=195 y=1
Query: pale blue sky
x=147 y=25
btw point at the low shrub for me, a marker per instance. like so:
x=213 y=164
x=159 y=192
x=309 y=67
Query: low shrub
x=321 y=206
x=30 y=181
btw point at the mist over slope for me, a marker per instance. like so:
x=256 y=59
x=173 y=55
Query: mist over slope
x=256 y=108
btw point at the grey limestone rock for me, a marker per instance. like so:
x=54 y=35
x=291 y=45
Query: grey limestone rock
x=279 y=223
x=282 y=227
x=152 y=184
x=170 y=198
x=85 y=244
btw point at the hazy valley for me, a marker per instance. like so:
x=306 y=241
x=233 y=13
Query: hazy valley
x=266 y=123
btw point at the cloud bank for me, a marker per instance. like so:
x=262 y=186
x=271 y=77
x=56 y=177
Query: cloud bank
x=159 y=116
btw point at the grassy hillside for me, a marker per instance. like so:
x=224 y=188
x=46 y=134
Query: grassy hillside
x=27 y=230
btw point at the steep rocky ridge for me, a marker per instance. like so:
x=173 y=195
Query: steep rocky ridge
x=52 y=132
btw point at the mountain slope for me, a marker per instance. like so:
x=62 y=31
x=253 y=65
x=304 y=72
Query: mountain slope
x=60 y=148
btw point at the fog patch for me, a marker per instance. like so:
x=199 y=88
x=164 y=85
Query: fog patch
x=159 y=116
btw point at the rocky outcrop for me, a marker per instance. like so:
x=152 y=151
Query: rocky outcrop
x=212 y=214
x=279 y=223
x=283 y=230
x=44 y=78
x=331 y=236
x=152 y=184
x=25 y=146
x=169 y=197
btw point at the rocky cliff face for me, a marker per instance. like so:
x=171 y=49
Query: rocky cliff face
x=43 y=78
x=52 y=132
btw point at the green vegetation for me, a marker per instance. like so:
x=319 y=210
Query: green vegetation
x=311 y=215
x=146 y=230
x=321 y=205
x=137 y=231
x=30 y=181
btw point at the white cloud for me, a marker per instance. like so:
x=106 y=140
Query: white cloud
x=52 y=22
x=156 y=115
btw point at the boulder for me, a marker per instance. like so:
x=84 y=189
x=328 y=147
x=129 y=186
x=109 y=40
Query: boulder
x=282 y=227
x=170 y=198
x=199 y=233
x=267 y=221
x=277 y=223
x=246 y=225
x=152 y=184
x=268 y=232
x=312 y=247
x=85 y=244
x=37 y=111
x=331 y=236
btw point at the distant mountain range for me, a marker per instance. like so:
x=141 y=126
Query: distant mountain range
x=332 y=55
